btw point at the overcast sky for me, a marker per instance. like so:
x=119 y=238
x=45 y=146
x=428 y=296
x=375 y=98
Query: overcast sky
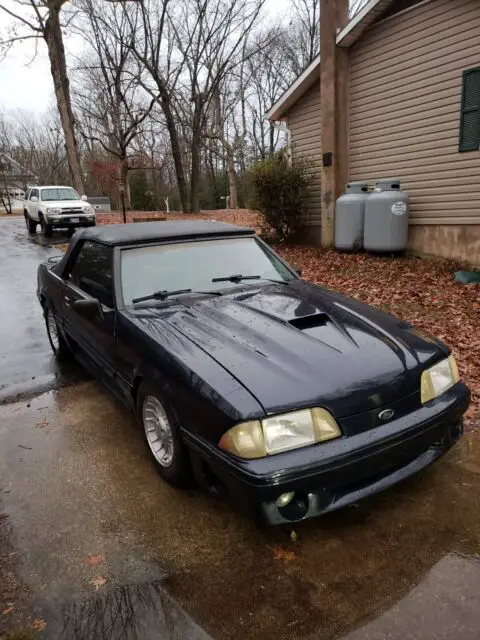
x=27 y=84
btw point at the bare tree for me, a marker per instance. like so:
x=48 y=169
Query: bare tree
x=37 y=144
x=161 y=69
x=40 y=19
x=210 y=38
x=108 y=96
x=269 y=73
x=356 y=6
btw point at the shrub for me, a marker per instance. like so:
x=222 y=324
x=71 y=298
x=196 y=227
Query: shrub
x=279 y=191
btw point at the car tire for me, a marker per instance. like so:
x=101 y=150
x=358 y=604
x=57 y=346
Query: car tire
x=162 y=435
x=57 y=341
x=46 y=228
x=31 y=224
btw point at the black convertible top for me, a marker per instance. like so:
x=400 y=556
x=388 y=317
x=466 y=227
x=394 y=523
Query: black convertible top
x=118 y=234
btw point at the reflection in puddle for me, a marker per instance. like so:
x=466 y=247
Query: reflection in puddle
x=131 y=612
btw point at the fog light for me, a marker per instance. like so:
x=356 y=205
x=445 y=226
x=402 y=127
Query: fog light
x=284 y=499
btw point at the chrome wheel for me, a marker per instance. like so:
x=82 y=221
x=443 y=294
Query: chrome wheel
x=158 y=431
x=52 y=330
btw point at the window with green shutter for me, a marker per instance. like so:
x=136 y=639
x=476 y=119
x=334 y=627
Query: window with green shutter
x=470 y=118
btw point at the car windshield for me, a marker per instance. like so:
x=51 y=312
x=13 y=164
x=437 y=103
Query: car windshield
x=195 y=265
x=59 y=193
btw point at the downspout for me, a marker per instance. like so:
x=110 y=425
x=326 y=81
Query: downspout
x=283 y=126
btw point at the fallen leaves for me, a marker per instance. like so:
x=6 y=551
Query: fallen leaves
x=42 y=424
x=94 y=560
x=38 y=624
x=242 y=217
x=420 y=291
x=98 y=581
x=283 y=554
x=8 y=610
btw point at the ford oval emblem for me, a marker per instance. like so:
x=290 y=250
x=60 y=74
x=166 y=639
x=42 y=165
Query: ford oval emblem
x=386 y=414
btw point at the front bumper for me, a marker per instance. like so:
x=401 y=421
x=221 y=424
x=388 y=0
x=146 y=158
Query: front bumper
x=70 y=221
x=332 y=475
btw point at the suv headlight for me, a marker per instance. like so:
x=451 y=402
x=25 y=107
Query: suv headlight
x=438 y=379
x=259 y=438
x=89 y=210
x=54 y=210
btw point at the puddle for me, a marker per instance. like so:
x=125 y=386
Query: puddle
x=129 y=612
x=76 y=480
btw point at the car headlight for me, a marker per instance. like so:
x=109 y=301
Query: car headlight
x=259 y=438
x=438 y=379
x=53 y=210
x=89 y=210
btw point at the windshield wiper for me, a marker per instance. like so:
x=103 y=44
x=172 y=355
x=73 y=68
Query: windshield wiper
x=236 y=278
x=239 y=278
x=163 y=295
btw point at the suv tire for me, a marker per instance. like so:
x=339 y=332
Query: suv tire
x=31 y=224
x=46 y=228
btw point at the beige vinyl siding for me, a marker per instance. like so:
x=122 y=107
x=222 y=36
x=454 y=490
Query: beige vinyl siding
x=304 y=122
x=405 y=106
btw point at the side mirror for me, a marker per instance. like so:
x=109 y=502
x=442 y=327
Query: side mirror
x=34 y=199
x=298 y=271
x=84 y=198
x=89 y=309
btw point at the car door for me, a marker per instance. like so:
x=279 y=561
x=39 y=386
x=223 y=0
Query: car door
x=89 y=275
x=33 y=206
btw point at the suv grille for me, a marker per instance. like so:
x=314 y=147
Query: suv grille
x=72 y=210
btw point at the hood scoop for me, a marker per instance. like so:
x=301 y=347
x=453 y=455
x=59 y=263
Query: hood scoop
x=309 y=322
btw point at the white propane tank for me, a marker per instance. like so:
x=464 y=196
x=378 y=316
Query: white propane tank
x=386 y=218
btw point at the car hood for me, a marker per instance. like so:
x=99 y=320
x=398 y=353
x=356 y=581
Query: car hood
x=66 y=204
x=300 y=345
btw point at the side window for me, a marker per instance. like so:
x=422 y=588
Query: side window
x=92 y=272
x=33 y=192
x=470 y=116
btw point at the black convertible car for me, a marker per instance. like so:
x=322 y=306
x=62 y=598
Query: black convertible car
x=292 y=398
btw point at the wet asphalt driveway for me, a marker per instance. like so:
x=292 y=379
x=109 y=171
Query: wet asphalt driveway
x=105 y=549
x=25 y=356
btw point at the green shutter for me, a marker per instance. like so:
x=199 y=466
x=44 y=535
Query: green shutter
x=470 y=118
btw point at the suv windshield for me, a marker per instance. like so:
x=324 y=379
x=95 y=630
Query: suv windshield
x=194 y=265
x=59 y=193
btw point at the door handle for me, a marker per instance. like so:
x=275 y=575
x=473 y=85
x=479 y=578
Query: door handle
x=68 y=301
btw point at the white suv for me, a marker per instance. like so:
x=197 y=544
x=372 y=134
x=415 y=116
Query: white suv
x=59 y=207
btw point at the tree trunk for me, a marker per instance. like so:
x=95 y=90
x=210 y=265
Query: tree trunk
x=213 y=182
x=176 y=152
x=125 y=182
x=52 y=34
x=272 y=138
x=232 y=182
x=195 y=174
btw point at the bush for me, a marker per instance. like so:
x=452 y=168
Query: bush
x=279 y=191
x=142 y=197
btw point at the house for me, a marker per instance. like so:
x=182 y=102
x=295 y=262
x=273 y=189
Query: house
x=395 y=92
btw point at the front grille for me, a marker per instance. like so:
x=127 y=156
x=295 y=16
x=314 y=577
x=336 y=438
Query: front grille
x=72 y=211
